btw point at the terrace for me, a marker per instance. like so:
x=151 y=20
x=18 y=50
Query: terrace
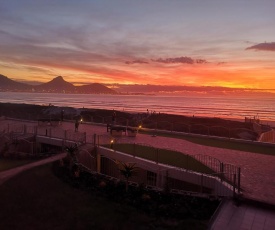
x=222 y=150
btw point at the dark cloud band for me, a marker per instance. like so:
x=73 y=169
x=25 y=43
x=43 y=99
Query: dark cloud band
x=263 y=46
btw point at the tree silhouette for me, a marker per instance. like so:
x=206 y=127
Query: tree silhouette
x=71 y=150
x=127 y=170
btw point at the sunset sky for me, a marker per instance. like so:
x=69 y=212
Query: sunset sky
x=164 y=42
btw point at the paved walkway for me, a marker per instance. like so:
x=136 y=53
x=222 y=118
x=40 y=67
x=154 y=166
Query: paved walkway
x=244 y=217
x=257 y=175
x=5 y=175
x=257 y=170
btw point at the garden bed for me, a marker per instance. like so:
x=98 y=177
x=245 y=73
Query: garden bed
x=153 y=203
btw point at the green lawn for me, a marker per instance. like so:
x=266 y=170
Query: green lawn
x=6 y=164
x=226 y=144
x=164 y=156
x=36 y=199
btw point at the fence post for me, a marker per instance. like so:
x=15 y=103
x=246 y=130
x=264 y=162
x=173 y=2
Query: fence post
x=63 y=145
x=98 y=161
x=201 y=183
x=166 y=183
x=157 y=156
x=234 y=186
x=94 y=139
x=221 y=170
x=158 y=182
x=239 y=180
x=32 y=147
x=187 y=161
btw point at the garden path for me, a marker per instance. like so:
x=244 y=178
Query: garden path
x=257 y=170
x=257 y=175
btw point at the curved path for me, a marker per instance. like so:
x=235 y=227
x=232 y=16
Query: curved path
x=257 y=170
x=5 y=175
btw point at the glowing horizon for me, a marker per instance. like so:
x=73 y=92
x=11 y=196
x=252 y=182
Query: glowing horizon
x=187 y=43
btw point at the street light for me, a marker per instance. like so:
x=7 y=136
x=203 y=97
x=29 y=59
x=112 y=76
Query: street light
x=112 y=144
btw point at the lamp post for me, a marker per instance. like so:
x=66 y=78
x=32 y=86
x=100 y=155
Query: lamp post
x=112 y=144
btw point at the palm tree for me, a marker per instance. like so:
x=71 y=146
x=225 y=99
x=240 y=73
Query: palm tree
x=71 y=150
x=127 y=170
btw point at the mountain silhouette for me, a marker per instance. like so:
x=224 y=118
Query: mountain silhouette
x=7 y=84
x=96 y=88
x=56 y=85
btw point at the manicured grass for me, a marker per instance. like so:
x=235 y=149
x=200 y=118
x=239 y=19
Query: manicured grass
x=226 y=144
x=163 y=156
x=6 y=164
x=36 y=199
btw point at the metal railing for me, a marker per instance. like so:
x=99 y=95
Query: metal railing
x=218 y=168
x=155 y=176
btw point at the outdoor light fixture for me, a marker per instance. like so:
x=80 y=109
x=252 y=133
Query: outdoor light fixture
x=112 y=144
x=140 y=127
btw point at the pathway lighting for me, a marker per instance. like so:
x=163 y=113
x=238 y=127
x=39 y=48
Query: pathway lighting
x=112 y=144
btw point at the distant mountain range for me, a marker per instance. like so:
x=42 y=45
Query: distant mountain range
x=59 y=85
x=56 y=85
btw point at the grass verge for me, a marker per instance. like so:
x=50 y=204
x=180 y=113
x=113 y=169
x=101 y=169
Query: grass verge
x=163 y=156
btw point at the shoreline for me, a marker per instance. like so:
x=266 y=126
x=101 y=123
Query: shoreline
x=30 y=110
x=218 y=107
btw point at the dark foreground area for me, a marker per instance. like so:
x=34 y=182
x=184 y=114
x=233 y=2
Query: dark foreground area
x=48 y=197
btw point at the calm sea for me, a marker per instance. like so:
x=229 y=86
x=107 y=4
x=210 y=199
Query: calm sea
x=218 y=106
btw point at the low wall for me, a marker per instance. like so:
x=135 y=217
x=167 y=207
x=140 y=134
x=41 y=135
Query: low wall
x=54 y=141
x=218 y=187
x=268 y=136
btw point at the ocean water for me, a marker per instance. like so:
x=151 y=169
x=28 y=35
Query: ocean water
x=218 y=106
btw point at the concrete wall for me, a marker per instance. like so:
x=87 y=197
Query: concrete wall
x=218 y=187
x=268 y=136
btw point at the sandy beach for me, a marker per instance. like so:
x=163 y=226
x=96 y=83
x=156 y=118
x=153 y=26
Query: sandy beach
x=228 y=128
x=34 y=112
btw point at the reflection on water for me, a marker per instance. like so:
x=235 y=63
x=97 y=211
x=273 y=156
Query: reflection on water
x=199 y=106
